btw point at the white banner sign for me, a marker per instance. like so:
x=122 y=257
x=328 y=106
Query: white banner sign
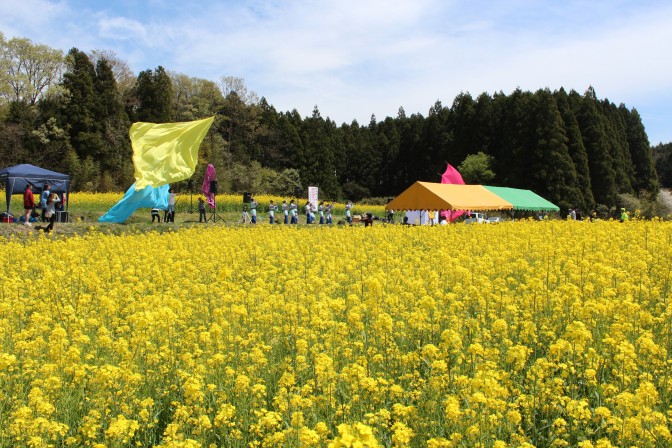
x=312 y=197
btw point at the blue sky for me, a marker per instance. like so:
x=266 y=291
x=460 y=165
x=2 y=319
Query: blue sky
x=355 y=58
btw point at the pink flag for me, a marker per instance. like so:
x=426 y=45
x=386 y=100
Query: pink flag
x=451 y=176
x=210 y=175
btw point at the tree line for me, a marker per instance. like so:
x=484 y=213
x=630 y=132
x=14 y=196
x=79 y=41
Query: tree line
x=71 y=113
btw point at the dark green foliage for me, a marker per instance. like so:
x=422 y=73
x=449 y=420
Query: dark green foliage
x=153 y=95
x=662 y=156
x=576 y=150
x=551 y=170
x=79 y=110
x=600 y=160
x=640 y=152
x=94 y=116
x=319 y=140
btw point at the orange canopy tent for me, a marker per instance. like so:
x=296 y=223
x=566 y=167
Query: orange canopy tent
x=433 y=196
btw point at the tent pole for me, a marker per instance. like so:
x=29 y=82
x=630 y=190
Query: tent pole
x=9 y=193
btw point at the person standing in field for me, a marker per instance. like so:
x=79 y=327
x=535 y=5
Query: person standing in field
x=307 y=211
x=50 y=212
x=348 y=212
x=285 y=211
x=293 y=210
x=201 y=210
x=320 y=211
x=44 y=197
x=253 y=210
x=271 y=211
x=169 y=216
x=28 y=204
x=328 y=216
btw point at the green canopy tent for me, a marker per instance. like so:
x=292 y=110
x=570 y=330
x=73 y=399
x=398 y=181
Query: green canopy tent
x=523 y=199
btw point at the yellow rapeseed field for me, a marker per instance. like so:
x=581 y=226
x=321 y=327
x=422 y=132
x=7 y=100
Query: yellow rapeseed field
x=546 y=334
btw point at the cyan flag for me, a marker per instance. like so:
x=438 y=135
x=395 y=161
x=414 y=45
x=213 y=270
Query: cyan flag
x=148 y=197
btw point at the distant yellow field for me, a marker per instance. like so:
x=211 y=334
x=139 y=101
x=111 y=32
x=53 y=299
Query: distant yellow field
x=99 y=203
x=514 y=334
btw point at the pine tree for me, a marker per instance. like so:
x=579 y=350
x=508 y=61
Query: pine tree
x=80 y=113
x=463 y=121
x=517 y=140
x=436 y=141
x=318 y=146
x=616 y=135
x=552 y=172
x=115 y=156
x=600 y=162
x=153 y=97
x=640 y=152
x=576 y=149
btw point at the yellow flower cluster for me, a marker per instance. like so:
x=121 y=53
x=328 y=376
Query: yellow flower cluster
x=517 y=334
x=98 y=203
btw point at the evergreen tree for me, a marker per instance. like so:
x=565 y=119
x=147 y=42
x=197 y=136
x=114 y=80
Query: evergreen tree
x=576 y=149
x=80 y=112
x=387 y=141
x=464 y=140
x=517 y=140
x=436 y=142
x=640 y=152
x=318 y=169
x=552 y=172
x=407 y=168
x=116 y=154
x=600 y=162
x=153 y=95
x=618 y=146
x=269 y=138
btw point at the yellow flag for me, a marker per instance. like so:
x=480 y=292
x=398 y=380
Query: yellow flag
x=167 y=152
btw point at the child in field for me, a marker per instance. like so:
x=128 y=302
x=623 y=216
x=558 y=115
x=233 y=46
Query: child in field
x=285 y=211
x=253 y=210
x=293 y=210
x=328 y=216
x=201 y=210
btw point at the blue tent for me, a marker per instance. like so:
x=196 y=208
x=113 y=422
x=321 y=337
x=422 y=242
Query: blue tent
x=16 y=177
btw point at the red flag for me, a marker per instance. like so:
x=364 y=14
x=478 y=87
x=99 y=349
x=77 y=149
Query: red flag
x=452 y=176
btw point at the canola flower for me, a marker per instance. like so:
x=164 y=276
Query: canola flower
x=97 y=203
x=516 y=334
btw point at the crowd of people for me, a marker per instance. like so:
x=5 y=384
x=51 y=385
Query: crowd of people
x=50 y=203
x=290 y=212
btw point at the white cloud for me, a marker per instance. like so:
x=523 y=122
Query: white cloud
x=122 y=28
x=38 y=16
